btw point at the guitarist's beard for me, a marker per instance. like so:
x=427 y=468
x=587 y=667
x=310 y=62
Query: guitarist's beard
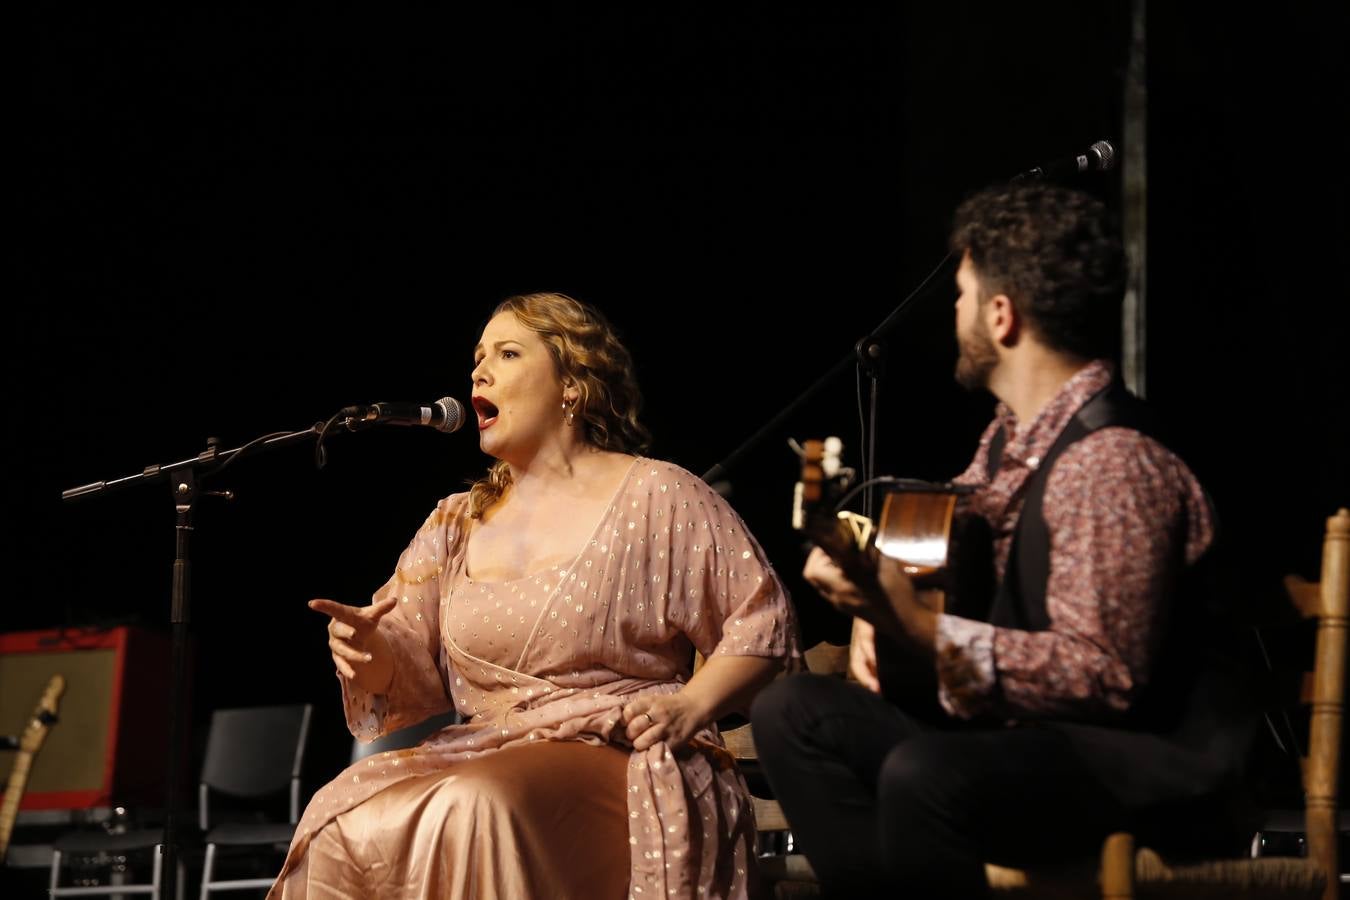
x=977 y=356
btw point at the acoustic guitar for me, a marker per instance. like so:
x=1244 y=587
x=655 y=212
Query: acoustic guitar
x=29 y=744
x=949 y=557
x=915 y=526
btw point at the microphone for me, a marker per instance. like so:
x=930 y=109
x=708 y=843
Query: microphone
x=446 y=414
x=1100 y=157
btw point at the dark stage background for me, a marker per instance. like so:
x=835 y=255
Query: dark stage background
x=242 y=220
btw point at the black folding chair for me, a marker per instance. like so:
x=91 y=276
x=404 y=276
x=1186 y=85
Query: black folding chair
x=251 y=753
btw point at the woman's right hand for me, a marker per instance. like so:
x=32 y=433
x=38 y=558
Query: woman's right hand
x=360 y=652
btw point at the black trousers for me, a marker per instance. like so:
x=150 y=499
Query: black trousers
x=884 y=805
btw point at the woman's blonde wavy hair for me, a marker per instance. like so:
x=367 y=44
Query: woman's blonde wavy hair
x=586 y=350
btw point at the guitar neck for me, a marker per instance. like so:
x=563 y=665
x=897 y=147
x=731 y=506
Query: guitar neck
x=9 y=809
x=29 y=745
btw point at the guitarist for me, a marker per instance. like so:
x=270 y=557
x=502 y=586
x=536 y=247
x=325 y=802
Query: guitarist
x=1066 y=714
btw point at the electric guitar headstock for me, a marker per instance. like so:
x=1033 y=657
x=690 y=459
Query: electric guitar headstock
x=44 y=714
x=29 y=744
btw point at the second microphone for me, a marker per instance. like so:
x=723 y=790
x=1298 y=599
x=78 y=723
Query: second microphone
x=446 y=414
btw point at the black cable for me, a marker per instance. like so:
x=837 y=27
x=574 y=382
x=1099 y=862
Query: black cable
x=904 y=484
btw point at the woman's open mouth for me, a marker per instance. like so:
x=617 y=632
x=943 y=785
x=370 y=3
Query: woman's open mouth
x=487 y=412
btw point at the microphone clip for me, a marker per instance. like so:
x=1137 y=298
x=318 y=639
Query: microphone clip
x=357 y=418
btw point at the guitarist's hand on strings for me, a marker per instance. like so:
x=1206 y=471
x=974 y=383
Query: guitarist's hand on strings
x=889 y=604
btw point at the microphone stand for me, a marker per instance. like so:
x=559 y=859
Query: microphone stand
x=869 y=352
x=184 y=479
x=868 y=356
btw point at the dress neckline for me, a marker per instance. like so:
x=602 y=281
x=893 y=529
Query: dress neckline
x=565 y=566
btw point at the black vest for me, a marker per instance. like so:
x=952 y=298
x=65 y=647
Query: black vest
x=1020 y=601
x=1188 y=730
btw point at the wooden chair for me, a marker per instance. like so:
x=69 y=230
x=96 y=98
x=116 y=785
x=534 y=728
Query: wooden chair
x=1127 y=871
x=1317 y=874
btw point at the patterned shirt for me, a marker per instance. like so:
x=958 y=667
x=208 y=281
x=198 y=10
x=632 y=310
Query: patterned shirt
x=1124 y=515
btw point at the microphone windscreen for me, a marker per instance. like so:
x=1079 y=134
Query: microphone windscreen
x=454 y=414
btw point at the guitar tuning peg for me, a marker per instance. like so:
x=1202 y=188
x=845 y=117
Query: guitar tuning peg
x=834 y=449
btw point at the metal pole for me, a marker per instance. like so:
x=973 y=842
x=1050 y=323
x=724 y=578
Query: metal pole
x=1134 y=319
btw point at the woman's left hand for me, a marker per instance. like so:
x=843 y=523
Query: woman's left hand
x=661 y=717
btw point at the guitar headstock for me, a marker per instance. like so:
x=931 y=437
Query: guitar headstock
x=823 y=479
x=43 y=715
x=845 y=536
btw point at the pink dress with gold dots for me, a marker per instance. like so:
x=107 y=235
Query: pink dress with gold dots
x=554 y=657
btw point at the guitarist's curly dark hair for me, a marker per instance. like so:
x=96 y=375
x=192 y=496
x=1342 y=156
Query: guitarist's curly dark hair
x=1057 y=254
